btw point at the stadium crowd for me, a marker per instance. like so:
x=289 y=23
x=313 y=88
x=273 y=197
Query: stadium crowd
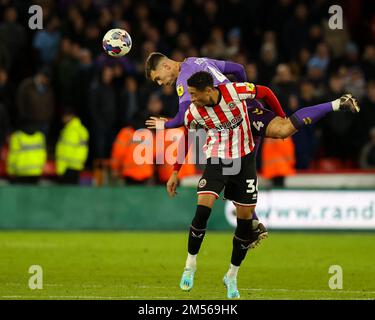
x=284 y=44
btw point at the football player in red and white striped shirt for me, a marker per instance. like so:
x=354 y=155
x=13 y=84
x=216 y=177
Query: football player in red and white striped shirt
x=227 y=122
x=222 y=112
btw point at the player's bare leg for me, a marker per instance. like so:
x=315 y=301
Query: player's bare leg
x=196 y=235
x=241 y=243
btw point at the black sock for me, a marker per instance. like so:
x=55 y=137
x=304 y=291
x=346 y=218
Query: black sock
x=198 y=229
x=241 y=240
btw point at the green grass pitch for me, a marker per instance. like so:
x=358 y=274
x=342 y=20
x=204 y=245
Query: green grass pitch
x=148 y=265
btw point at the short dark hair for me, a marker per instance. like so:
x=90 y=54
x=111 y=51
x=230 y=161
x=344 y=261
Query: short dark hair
x=152 y=62
x=201 y=80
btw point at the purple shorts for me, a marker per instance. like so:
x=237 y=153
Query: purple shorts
x=259 y=118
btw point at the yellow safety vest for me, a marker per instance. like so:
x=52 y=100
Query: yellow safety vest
x=72 y=147
x=27 y=154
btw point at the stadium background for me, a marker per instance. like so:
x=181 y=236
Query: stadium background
x=284 y=44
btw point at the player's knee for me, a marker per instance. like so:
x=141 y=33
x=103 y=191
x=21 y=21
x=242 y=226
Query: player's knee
x=201 y=217
x=287 y=129
x=245 y=212
x=206 y=200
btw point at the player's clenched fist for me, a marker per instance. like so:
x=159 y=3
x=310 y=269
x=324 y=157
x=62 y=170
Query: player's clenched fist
x=172 y=184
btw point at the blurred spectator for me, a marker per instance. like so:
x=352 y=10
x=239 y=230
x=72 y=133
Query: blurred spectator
x=91 y=39
x=81 y=84
x=5 y=57
x=337 y=127
x=184 y=43
x=66 y=71
x=73 y=25
x=315 y=36
x=35 y=102
x=355 y=82
x=278 y=160
x=71 y=149
x=284 y=86
x=215 y=47
x=295 y=32
x=7 y=97
x=302 y=62
x=368 y=64
x=125 y=163
x=129 y=102
x=304 y=140
x=13 y=38
x=234 y=43
x=367 y=154
x=4 y=125
x=171 y=31
x=47 y=41
x=252 y=73
x=351 y=55
x=267 y=63
x=336 y=39
x=27 y=156
x=103 y=113
x=170 y=101
x=366 y=118
x=321 y=57
x=154 y=108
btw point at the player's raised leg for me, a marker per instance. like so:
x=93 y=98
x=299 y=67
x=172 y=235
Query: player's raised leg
x=310 y=115
x=283 y=128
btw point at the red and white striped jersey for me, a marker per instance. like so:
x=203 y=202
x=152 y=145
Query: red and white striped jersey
x=227 y=123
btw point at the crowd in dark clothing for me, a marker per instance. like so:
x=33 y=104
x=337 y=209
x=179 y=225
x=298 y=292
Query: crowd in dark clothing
x=284 y=44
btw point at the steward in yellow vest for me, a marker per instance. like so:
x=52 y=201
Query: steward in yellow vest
x=27 y=156
x=71 y=149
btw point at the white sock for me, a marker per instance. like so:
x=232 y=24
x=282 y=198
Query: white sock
x=336 y=105
x=191 y=261
x=233 y=270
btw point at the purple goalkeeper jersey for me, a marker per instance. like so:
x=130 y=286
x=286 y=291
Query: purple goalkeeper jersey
x=192 y=65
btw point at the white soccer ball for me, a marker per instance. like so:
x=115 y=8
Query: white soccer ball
x=117 y=42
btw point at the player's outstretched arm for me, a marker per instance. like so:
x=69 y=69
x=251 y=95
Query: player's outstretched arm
x=236 y=69
x=265 y=93
x=178 y=120
x=229 y=67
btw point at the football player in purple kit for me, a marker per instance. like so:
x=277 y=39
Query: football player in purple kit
x=165 y=71
x=273 y=124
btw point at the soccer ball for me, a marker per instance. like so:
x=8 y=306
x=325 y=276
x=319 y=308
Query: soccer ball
x=117 y=42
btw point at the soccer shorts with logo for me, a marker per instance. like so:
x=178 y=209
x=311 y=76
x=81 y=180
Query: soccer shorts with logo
x=260 y=118
x=238 y=177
